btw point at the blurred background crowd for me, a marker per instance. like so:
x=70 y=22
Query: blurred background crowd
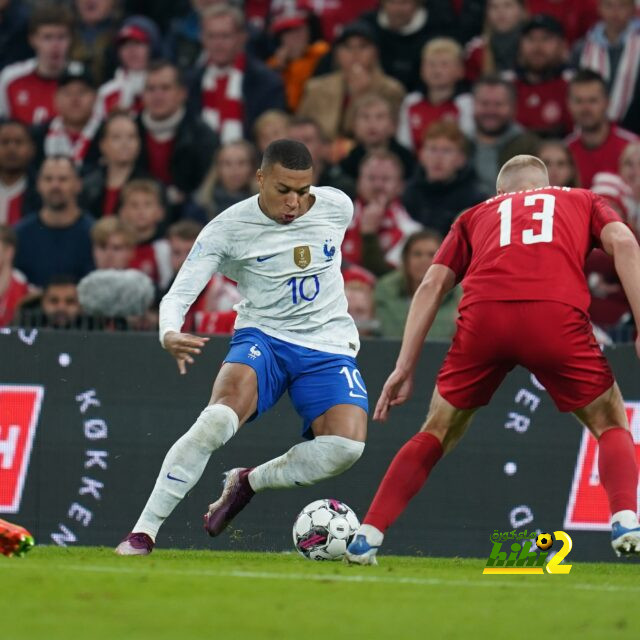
x=125 y=126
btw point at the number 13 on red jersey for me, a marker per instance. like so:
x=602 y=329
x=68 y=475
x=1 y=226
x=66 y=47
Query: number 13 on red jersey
x=545 y=215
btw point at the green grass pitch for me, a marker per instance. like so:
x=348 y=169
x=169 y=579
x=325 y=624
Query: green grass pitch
x=91 y=594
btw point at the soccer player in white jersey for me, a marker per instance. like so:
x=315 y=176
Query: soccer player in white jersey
x=292 y=333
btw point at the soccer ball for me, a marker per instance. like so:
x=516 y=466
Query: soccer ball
x=544 y=541
x=324 y=529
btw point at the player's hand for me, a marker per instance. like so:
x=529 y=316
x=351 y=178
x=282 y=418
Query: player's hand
x=397 y=390
x=183 y=346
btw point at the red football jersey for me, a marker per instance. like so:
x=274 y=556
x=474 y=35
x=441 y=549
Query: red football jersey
x=25 y=95
x=542 y=107
x=527 y=245
x=606 y=157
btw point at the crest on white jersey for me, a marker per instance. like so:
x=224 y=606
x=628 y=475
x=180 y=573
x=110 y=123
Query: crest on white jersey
x=302 y=256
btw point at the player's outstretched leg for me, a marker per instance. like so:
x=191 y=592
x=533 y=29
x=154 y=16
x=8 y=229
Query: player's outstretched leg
x=327 y=455
x=606 y=418
x=181 y=469
x=406 y=474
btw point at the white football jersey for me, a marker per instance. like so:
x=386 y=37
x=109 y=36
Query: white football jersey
x=289 y=275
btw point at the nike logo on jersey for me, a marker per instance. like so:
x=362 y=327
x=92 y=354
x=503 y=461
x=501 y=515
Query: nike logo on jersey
x=263 y=258
x=174 y=478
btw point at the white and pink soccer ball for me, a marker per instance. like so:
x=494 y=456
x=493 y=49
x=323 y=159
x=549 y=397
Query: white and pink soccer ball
x=324 y=529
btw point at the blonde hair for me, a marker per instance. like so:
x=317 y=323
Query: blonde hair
x=142 y=185
x=104 y=228
x=443 y=45
x=515 y=174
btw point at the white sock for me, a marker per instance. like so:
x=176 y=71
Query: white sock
x=184 y=464
x=373 y=535
x=307 y=463
x=627 y=518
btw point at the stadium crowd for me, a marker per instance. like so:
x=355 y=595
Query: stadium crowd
x=126 y=125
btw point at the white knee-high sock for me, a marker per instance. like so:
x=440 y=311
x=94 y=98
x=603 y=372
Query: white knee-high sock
x=184 y=464
x=307 y=463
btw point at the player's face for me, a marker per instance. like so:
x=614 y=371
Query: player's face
x=420 y=258
x=222 y=39
x=234 y=167
x=441 y=159
x=504 y=15
x=58 y=184
x=541 y=50
x=74 y=102
x=373 y=124
x=558 y=164
x=121 y=142
x=379 y=179
x=60 y=304
x=493 y=109
x=588 y=105
x=630 y=168
x=134 y=55
x=115 y=253
x=16 y=148
x=51 y=44
x=284 y=193
x=440 y=70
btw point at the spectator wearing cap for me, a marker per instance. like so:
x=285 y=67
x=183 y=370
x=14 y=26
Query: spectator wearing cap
x=232 y=88
x=445 y=184
x=612 y=49
x=541 y=78
x=71 y=133
x=576 y=20
x=177 y=147
x=138 y=42
x=497 y=136
x=329 y=98
x=56 y=240
x=496 y=49
x=27 y=89
x=299 y=48
x=358 y=288
x=401 y=28
x=14 y=43
x=17 y=193
x=597 y=143
x=380 y=223
x=13 y=284
x=395 y=290
x=94 y=34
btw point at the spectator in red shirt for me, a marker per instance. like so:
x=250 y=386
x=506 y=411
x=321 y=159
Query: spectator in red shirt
x=496 y=49
x=441 y=70
x=138 y=41
x=17 y=195
x=541 y=80
x=142 y=210
x=71 y=133
x=13 y=285
x=380 y=223
x=27 y=88
x=119 y=144
x=597 y=143
x=113 y=244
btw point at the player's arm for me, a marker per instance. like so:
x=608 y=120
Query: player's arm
x=437 y=282
x=618 y=241
x=195 y=273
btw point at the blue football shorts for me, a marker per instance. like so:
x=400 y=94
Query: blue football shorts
x=316 y=380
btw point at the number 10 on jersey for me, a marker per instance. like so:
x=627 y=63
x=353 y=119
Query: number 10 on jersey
x=529 y=236
x=302 y=289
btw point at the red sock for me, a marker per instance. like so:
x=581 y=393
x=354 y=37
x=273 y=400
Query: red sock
x=618 y=469
x=405 y=476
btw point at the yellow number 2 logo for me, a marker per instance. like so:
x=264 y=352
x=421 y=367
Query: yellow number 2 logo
x=554 y=566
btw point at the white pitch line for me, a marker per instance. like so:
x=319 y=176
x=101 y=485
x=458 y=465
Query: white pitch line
x=319 y=577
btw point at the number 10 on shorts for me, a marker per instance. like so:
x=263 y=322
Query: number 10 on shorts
x=355 y=382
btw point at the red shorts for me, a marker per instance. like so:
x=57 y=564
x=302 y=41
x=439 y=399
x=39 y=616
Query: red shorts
x=553 y=340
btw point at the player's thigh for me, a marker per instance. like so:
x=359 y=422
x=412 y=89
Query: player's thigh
x=328 y=391
x=346 y=420
x=606 y=411
x=446 y=422
x=236 y=387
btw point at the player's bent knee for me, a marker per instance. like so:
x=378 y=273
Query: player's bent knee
x=333 y=455
x=215 y=426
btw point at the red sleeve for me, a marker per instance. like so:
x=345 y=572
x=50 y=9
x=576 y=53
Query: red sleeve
x=601 y=215
x=455 y=251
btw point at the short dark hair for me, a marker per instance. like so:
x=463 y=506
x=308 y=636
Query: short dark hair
x=12 y=122
x=417 y=236
x=163 y=63
x=60 y=280
x=291 y=154
x=50 y=14
x=586 y=76
x=495 y=80
x=60 y=156
x=184 y=230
